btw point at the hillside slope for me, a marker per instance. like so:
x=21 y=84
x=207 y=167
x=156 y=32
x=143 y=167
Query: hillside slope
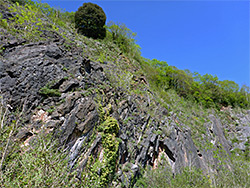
x=78 y=112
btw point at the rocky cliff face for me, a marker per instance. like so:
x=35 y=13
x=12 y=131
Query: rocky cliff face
x=67 y=94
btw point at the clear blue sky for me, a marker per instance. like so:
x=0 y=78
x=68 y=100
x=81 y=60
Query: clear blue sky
x=202 y=36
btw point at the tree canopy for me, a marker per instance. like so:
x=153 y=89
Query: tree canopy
x=90 y=20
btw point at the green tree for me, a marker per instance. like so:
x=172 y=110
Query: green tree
x=90 y=20
x=158 y=74
x=124 y=38
x=179 y=80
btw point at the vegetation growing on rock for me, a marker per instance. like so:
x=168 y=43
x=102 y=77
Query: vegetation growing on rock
x=100 y=171
x=108 y=117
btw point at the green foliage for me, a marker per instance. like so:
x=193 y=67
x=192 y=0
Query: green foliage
x=190 y=93
x=31 y=18
x=247 y=150
x=40 y=164
x=26 y=20
x=237 y=176
x=90 y=20
x=100 y=173
x=48 y=92
x=162 y=177
x=206 y=90
x=235 y=140
x=109 y=126
x=51 y=109
x=109 y=130
x=125 y=80
x=57 y=16
x=3 y=22
x=124 y=38
x=8 y=127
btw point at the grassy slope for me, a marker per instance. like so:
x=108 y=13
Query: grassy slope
x=126 y=69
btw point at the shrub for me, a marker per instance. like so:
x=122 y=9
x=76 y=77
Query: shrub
x=41 y=164
x=163 y=177
x=101 y=173
x=90 y=20
x=124 y=38
x=48 y=92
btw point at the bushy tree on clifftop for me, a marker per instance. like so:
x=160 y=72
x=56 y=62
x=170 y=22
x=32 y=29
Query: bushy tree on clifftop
x=90 y=20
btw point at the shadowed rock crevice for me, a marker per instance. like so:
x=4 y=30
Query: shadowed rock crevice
x=165 y=148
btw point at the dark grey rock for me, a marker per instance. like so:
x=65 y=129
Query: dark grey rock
x=153 y=138
x=124 y=137
x=89 y=123
x=53 y=51
x=52 y=124
x=218 y=132
x=69 y=103
x=75 y=150
x=23 y=134
x=68 y=127
x=26 y=71
x=85 y=106
x=68 y=85
x=134 y=168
